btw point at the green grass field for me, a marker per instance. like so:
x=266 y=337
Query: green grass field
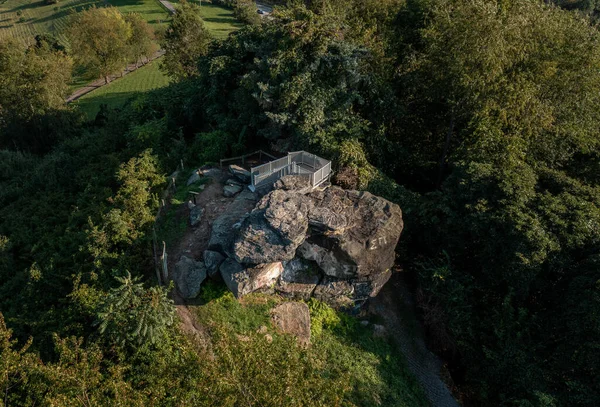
x=120 y=90
x=24 y=19
x=218 y=20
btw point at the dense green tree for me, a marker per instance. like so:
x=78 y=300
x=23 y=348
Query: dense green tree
x=33 y=87
x=99 y=41
x=134 y=315
x=509 y=90
x=141 y=43
x=185 y=40
x=245 y=10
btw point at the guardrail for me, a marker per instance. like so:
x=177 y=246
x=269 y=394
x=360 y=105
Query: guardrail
x=318 y=170
x=243 y=157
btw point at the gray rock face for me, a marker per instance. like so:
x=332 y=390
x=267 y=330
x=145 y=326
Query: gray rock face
x=196 y=215
x=274 y=230
x=359 y=230
x=349 y=237
x=293 y=318
x=188 y=276
x=243 y=281
x=212 y=261
x=298 y=280
x=226 y=225
x=296 y=183
x=338 y=293
x=240 y=173
x=231 y=190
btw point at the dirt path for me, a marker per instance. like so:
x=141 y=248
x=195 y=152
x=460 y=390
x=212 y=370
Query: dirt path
x=395 y=306
x=192 y=244
x=100 y=82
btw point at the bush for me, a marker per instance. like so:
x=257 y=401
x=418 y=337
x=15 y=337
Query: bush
x=210 y=147
x=245 y=11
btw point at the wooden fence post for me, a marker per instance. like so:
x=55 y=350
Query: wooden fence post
x=154 y=250
x=164 y=263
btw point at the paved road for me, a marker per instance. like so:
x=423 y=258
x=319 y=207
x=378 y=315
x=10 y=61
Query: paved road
x=265 y=8
x=100 y=82
x=168 y=5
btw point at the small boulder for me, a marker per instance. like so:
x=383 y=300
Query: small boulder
x=293 y=318
x=240 y=173
x=207 y=171
x=196 y=215
x=188 y=276
x=233 y=181
x=379 y=331
x=195 y=177
x=231 y=190
x=241 y=281
x=212 y=261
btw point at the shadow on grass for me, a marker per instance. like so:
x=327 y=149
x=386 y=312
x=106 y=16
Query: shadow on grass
x=91 y=105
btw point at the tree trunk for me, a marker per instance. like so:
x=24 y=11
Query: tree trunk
x=106 y=80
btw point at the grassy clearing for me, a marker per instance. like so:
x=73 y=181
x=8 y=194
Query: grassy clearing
x=120 y=90
x=218 y=20
x=362 y=369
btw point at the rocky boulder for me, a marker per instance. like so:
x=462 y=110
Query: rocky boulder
x=293 y=183
x=240 y=173
x=212 y=261
x=335 y=245
x=231 y=190
x=337 y=293
x=242 y=281
x=195 y=177
x=188 y=276
x=293 y=318
x=353 y=234
x=274 y=229
x=196 y=213
x=298 y=279
x=225 y=226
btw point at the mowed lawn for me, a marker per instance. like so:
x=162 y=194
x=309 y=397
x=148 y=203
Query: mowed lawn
x=120 y=90
x=218 y=20
x=24 y=19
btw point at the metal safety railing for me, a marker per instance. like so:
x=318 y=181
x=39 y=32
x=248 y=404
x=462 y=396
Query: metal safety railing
x=302 y=163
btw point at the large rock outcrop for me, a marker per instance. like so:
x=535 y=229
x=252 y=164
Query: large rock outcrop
x=224 y=228
x=333 y=244
x=274 y=229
